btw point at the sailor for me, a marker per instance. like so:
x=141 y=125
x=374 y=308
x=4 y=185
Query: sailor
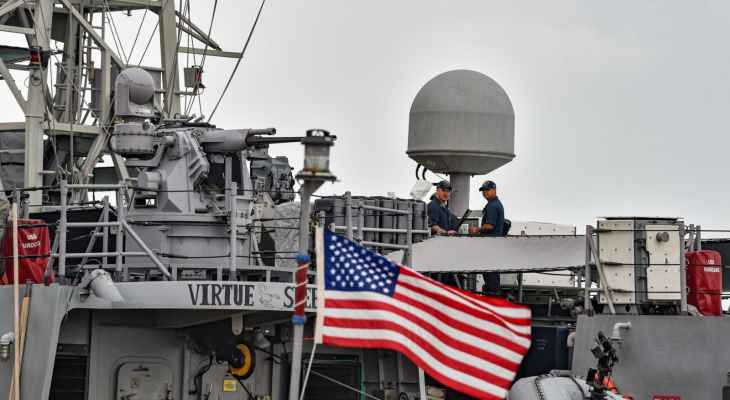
x=493 y=222
x=441 y=220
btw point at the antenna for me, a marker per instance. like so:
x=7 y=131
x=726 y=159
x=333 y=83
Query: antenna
x=461 y=123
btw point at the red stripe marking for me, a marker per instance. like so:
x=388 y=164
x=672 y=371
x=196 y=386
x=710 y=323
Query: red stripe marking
x=486 y=303
x=464 y=326
x=393 y=345
x=494 y=318
x=489 y=300
x=423 y=344
x=444 y=337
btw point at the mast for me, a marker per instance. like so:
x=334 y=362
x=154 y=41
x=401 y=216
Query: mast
x=71 y=69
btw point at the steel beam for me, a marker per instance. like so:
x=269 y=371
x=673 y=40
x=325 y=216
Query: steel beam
x=10 y=6
x=69 y=98
x=203 y=36
x=88 y=28
x=35 y=110
x=168 y=51
x=210 y=52
x=12 y=86
x=17 y=29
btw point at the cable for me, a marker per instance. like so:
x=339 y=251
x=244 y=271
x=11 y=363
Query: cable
x=134 y=43
x=205 y=53
x=240 y=382
x=238 y=62
x=114 y=31
x=197 y=379
x=149 y=41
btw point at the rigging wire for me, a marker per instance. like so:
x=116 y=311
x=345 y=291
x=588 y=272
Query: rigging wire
x=240 y=57
x=202 y=60
x=136 y=36
x=149 y=41
x=114 y=31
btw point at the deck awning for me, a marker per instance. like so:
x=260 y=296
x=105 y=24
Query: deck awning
x=507 y=254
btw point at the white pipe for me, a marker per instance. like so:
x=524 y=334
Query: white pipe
x=102 y=285
x=616 y=333
x=6 y=340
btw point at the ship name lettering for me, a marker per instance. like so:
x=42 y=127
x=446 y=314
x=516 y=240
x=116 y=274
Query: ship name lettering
x=221 y=294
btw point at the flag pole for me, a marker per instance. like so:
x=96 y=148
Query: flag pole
x=300 y=291
x=319 y=253
x=408 y=260
x=319 y=321
x=316 y=171
x=16 y=295
x=422 y=384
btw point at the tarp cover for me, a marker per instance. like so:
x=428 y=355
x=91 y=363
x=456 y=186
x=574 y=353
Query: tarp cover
x=704 y=280
x=33 y=250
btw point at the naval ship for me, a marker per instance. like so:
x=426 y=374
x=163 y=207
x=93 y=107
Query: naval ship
x=149 y=254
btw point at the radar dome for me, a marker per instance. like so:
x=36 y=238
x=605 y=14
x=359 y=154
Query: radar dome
x=461 y=121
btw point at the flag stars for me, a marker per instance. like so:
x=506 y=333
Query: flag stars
x=352 y=267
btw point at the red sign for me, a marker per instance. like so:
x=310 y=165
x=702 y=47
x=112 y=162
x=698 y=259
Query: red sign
x=665 y=397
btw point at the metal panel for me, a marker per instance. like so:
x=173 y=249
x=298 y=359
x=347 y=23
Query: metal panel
x=531 y=228
x=663 y=275
x=47 y=308
x=555 y=279
x=616 y=249
x=661 y=355
x=144 y=380
x=480 y=254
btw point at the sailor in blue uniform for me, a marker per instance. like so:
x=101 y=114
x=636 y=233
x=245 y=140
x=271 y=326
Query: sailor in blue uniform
x=492 y=214
x=492 y=224
x=441 y=220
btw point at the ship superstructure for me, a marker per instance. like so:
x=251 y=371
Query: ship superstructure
x=172 y=273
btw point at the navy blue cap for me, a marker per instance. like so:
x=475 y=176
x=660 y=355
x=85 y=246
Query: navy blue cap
x=444 y=184
x=487 y=185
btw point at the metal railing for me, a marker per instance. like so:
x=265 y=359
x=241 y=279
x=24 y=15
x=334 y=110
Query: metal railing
x=356 y=230
x=122 y=266
x=121 y=224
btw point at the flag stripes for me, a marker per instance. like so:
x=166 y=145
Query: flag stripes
x=471 y=343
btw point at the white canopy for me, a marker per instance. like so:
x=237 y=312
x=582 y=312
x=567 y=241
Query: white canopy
x=511 y=253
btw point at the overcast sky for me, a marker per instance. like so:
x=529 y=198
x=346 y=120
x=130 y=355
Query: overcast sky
x=621 y=106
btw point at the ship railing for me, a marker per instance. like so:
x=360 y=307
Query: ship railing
x=355 y=228
x=125 y=265
x=121 y=224
x=59 y=249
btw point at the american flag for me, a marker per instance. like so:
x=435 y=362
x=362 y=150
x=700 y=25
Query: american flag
x=471 y=343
